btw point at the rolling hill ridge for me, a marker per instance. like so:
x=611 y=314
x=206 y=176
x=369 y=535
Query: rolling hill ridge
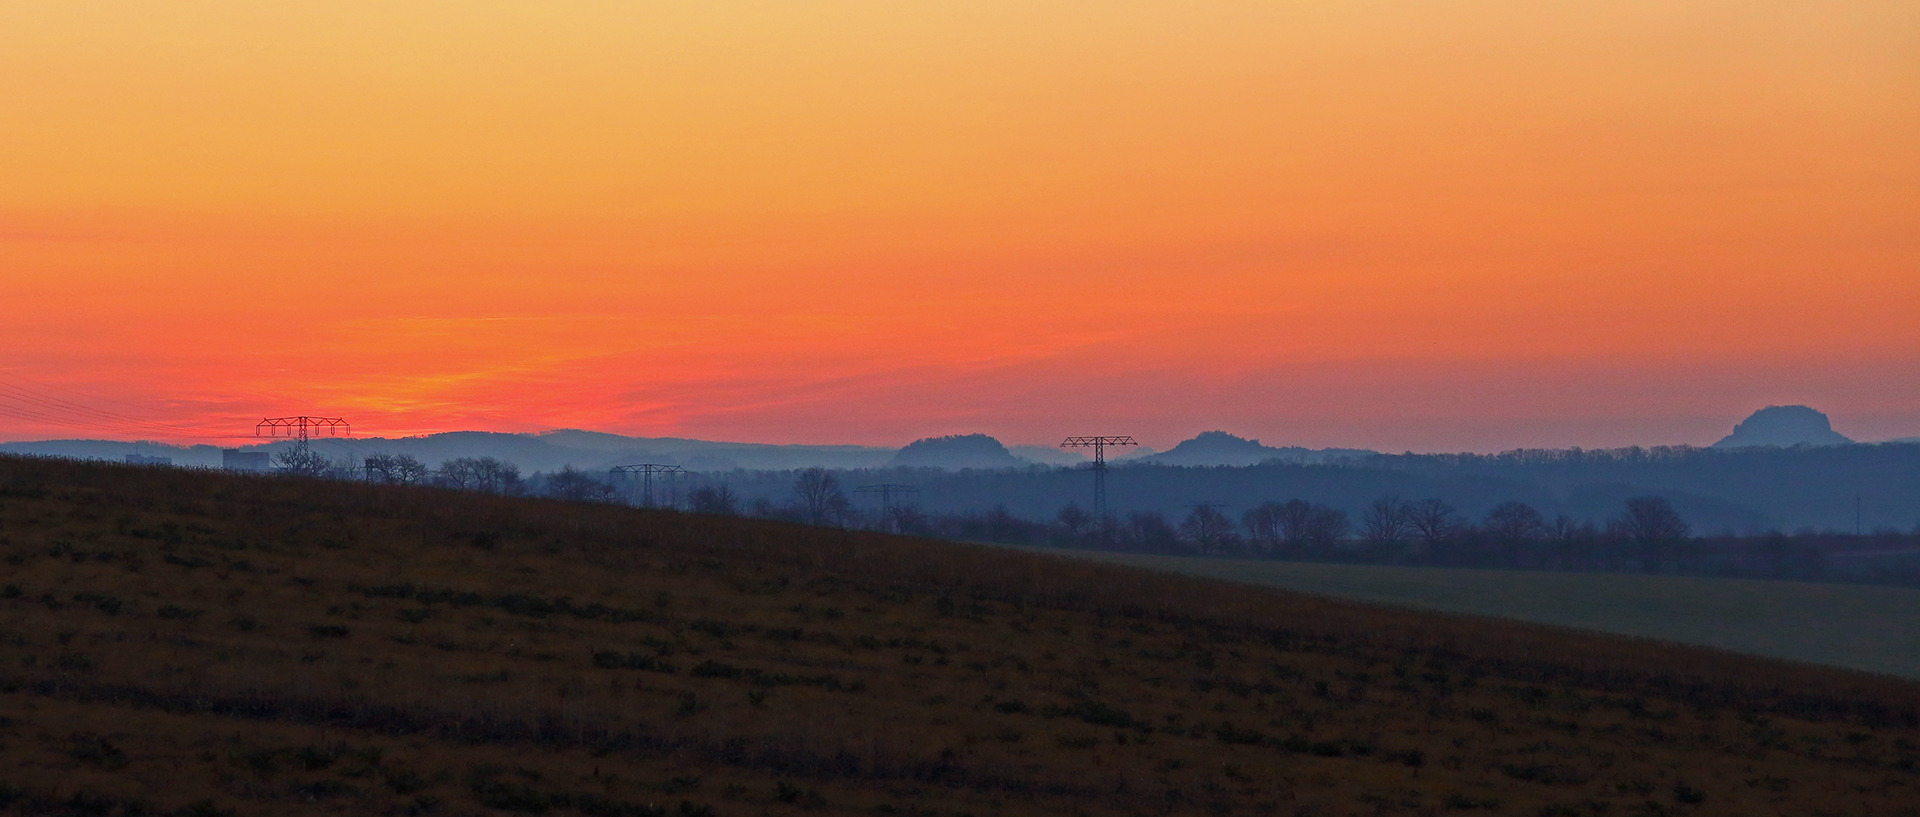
x=199 y=643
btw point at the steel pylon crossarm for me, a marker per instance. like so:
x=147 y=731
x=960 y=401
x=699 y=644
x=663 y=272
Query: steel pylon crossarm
x=646 y=470
x=302 y=427
x=1099 y=445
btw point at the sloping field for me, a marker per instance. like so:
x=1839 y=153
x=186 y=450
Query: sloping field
x=198 y=645
x=1876 y=629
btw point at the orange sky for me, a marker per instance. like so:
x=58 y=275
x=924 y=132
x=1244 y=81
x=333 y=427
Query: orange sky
x=1468 y=225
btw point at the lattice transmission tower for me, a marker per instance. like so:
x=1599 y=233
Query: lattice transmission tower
x=646 y=470
x=302 y=427
x=1099 y=446
x=887 y=492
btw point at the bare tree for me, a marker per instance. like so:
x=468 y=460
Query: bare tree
x=1650 y=519
x=302 y=461
x=1326 y=526
x=573 y=484
x=1654 y=528
x=1263 y=525
x=1209 y=530
x=482 y=474
x=1296 y=523
x=1149 y=531
x=389 y=469
x=1434 y=521
x=380 y=469
x=1302 y=524
x=1074 y=520
x=409 y=471
x=1515 y=522
x=820 y=493
x=911 y=521
x=719 y=500
x=1387 y=522
x=460 y=472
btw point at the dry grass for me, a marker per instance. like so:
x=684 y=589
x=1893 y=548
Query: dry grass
x=200 y=643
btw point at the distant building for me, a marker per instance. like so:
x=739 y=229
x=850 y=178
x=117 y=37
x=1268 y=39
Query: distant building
x=233 y=459
x=137 y=459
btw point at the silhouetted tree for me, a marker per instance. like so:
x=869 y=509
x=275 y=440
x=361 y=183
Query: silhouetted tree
x=1002 y=526
x=1326 y=527
x=911 y=521
x=1515 y=522
x=1209 y=530
x=1654 y=528
x=485 y=474
x=1434 y=521
x=1652 y=518
x=1148 y=531
x=1308 y=525
x=820 y=493
x=1263 y=526
x=1296 y=519
x=573 y=484
x=303 y=461
x=390 y=469
x=1387 y=524
x=714 y=499
x=1074 y=522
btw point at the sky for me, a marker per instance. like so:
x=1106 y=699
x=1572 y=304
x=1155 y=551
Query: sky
x=1471 y=225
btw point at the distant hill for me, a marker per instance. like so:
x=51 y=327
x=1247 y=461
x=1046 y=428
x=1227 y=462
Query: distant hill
x=1047 y=454
x=956 y=451
x=186 y=643
x=1784 y=427
x=549 y=451
x=1221 y=448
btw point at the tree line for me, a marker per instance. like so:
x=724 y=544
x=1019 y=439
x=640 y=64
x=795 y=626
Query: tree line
x=1646 y=534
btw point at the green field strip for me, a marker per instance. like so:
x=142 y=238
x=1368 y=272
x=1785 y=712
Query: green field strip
x=1862 y=627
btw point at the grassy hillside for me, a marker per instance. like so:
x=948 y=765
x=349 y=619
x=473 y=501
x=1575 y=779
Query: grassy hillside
x=1859 y=627
x=200 y=644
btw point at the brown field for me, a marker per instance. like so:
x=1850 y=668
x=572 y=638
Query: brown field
x=198 y=644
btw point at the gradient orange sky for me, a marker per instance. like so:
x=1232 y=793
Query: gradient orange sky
x=1435 y=226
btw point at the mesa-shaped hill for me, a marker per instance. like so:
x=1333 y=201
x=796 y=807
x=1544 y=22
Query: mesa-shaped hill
x=1783 y=427
x=201 y=643
x=1221 y=448
x=955 y=452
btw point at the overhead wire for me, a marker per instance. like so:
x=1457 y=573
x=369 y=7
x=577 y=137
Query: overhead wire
x=39 y=406
x=34 y=405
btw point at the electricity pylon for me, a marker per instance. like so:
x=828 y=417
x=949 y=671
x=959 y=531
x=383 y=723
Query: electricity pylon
x=1099 y=446
x=302 y=427
x=646 y=470
x=887 y=490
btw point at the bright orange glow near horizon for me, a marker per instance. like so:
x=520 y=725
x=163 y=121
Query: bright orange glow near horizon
x=1471 y=225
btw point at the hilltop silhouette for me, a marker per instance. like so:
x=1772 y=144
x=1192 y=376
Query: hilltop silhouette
x=1785 y=427
x=1221 y=448
x=956 y=451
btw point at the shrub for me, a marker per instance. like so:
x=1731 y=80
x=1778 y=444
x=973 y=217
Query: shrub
x=98 y=751
x=716 y=669
x=1092 y=712
x=100 y=601
x=609 y=659
x=1230 y=734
